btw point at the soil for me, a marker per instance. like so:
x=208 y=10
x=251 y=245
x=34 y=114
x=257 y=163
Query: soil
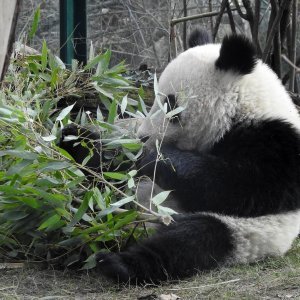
x=274 y=278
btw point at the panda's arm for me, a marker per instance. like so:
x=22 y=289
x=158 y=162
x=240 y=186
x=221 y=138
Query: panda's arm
x=253 y=170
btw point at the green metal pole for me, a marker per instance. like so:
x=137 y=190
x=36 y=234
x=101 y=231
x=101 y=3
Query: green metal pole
x=80 y=31
x=73 y=31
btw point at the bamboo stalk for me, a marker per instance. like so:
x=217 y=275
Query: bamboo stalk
x=219 y=18
x=194 y=17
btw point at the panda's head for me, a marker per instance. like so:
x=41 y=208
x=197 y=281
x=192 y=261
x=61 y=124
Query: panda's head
x=212 y=87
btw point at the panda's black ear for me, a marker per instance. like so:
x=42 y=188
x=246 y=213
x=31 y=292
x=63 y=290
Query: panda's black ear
x=199 y=37
x=237 y=54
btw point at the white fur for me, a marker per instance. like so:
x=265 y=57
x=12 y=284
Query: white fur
x=213 y=98
x=262 y=96
x=256 y=238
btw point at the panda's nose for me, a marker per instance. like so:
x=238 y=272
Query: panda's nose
x=144 y=139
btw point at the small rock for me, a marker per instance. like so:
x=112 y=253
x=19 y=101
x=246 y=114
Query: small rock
x=168 y=297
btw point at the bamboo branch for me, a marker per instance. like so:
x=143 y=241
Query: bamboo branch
x=275 y=59
x=142 y=217
x=291 y=64
x=285 y=20
x=172 y=43
x=249 y=10
x=293 y=46
x=184 y=25
x=295 y=98
x=274 y=29
x=230 y=17
x=296 y=88
x=276 y=63
x=240 y=12
x=286 y=77
x=219 y=18
x=211 y=18
x=194 y=17
x=172 y=36
x=274 y=9
x=256 y=25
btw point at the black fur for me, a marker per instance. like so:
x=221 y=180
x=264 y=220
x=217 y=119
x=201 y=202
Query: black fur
x=192 y=243
x=237 y=54
x=199 y=37
x=171 y=101
x=77 y=151
x=254 y=170
x=89 y=143
x=172 y=104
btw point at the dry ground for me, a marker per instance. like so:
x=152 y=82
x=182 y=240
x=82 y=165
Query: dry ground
x=272 y=279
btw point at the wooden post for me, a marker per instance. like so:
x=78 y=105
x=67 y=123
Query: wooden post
x=8 y=19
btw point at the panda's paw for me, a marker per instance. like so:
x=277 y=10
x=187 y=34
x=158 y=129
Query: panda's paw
x=113 y=266
x=69 y=136
x=70 y=130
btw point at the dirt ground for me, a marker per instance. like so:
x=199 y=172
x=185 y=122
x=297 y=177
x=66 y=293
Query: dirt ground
x=275 y=278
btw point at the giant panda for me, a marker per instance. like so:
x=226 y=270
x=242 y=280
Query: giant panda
x=231 y=157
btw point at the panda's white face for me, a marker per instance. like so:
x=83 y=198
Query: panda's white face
x=213 y=100
x=209 y=99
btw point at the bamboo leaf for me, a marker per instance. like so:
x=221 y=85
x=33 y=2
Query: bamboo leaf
x=124 y=104
x=112 y=112
x=103 y=91
x=44 y=57
x=90 y=262
x=123 y=201
x=114 y=206
x=82 y=209
x=115 y=175
x=175 y=112
x=49 y=222
x=35 y=23
x=49 y=138
x=126 y=219
x=165 y=210
x=65 y=112
x=20 y=154
x=131 y=183
x=55 y=166
x=123 y=142
x=14 y=215
x=160 y=198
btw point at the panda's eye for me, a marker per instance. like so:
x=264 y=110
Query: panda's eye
x=171 y=102
x=171 y=105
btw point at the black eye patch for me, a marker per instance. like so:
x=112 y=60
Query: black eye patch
x=171 y=105
x=171 y=102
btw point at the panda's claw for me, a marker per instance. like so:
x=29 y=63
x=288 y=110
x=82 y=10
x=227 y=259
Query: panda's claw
x=113 y=266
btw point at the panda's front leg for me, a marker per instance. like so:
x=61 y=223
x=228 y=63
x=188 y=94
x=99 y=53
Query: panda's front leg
x=169 y=167
x=160 y=166
x=186 y=173
x=190 y=243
